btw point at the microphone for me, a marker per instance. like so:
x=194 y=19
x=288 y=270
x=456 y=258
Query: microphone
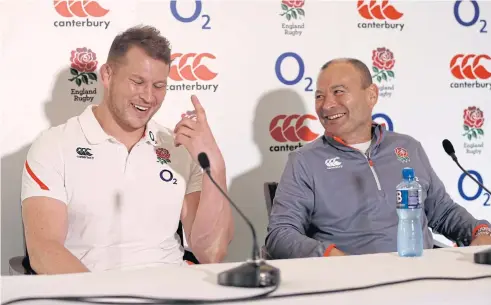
x=254 y=273
x=483 y=257
x=448 y=147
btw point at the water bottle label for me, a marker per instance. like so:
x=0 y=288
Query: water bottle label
x=408 y=199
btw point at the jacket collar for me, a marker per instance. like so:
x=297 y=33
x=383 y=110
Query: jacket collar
x=378 y=134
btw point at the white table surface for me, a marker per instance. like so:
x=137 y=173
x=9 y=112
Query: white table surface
x=298 y=275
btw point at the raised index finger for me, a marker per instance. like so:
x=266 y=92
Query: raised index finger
x=200 y=111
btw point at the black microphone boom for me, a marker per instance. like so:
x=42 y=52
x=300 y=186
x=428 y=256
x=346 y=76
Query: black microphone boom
x=448 y=147
x=255 y=272
x=483 y=257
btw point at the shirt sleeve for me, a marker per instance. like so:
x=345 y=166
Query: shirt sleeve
x=291 y=214
x=43 y=171
x=195 y=179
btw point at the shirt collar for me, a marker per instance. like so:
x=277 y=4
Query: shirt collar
x=378 y=134
x=95 y=134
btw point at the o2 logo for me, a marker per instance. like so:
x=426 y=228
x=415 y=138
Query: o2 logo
x=198 y=7
x=167 y=176
x=386 y=120
x=300 y=74
x=475 y=18
x=479 y=192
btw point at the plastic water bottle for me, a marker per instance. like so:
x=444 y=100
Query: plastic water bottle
x=409 y=209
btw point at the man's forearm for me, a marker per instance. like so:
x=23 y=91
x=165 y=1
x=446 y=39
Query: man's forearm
x=456 y=223
x=213 y=225
x=50 y=257
x=284 y=243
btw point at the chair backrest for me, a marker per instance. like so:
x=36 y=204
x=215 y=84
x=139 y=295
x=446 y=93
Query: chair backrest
x=269 y=193
x=188 y=255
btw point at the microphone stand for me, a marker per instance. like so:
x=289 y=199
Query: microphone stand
x=470 y=176
x=253 y=273
x=481 y=257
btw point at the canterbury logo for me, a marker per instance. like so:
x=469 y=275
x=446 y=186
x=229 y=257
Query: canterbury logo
x=196 y=71
x=84 y=151
x=333 y=163
x=372 y=10
x=468 y=66
x=79 y=8
x=292 y=129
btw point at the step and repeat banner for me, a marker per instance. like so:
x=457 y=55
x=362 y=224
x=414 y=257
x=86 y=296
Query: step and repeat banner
x=253 y=65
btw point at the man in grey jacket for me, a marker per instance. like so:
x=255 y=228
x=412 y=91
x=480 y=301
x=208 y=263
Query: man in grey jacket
x=337 y=194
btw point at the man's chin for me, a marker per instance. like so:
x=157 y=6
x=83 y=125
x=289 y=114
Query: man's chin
x=333 y=129
x=136 y=124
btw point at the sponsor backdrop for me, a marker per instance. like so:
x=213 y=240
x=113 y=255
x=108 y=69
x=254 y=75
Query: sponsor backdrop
x=253 y=65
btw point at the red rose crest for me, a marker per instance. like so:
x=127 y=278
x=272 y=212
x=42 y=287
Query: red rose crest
x=83 y=65
x=163 y=155
x=402 y=154
x=473 y=122
x=383 y=62
x=292 y=9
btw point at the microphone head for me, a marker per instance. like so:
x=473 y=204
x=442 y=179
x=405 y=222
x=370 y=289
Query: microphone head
x=203 y=160
x=447 y=145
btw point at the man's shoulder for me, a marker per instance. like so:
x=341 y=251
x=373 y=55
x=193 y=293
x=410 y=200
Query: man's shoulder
x=163 y=133
x=312 y=146
x=402 y=139
x=59 y=133
x=309 y=149
x=165 y=139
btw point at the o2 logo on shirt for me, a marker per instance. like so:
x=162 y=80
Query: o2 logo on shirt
x=300 y=73
x=385 y=120
x=480 y=190
x=198 y=7
x=476 y=13
x=167 y=176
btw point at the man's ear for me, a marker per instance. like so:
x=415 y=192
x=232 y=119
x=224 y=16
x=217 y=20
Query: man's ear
x=107 y=74
x=372 y=92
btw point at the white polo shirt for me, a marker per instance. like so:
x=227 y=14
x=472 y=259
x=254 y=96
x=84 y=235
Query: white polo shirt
x=123 y=208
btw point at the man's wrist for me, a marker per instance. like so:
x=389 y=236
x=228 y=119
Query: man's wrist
x=482 y=230
x=217 y=164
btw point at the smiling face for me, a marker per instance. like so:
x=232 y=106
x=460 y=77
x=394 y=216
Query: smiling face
x=344 y=102
x=135 y=86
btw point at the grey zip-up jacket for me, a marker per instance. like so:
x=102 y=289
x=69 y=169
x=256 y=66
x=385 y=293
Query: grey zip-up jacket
x=330 y=193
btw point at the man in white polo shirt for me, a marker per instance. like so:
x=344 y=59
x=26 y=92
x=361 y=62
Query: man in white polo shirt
x=107 y=189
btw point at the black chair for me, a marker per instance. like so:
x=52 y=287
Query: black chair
x=270 y=191
x=188 y=256
x=23 y=266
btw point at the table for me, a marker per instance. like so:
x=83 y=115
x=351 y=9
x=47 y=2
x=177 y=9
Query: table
x=298 y=275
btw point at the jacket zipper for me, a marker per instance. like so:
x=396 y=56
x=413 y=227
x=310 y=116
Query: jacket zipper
x=370 y=162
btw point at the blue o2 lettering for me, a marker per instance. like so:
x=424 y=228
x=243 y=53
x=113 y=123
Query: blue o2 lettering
x=386 y=118
x=167 y=176
x=484 y=24
x=487 y=203
x=197 y=12
x=301 y=71
x=461 y=187
x=474 y=19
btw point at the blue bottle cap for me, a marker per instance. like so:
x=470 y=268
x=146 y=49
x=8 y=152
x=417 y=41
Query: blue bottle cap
x=407 y=173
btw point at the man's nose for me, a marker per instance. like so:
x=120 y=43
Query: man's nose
x=328 y=103
x=147 y=94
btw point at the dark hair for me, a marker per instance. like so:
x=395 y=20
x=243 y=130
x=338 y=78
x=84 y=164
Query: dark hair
x=365 y=75
x=146 y=37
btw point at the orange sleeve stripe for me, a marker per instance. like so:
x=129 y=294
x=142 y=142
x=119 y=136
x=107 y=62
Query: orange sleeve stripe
x=477 y=228
x=189 y=263
x=329 y=249
x=35 y=178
